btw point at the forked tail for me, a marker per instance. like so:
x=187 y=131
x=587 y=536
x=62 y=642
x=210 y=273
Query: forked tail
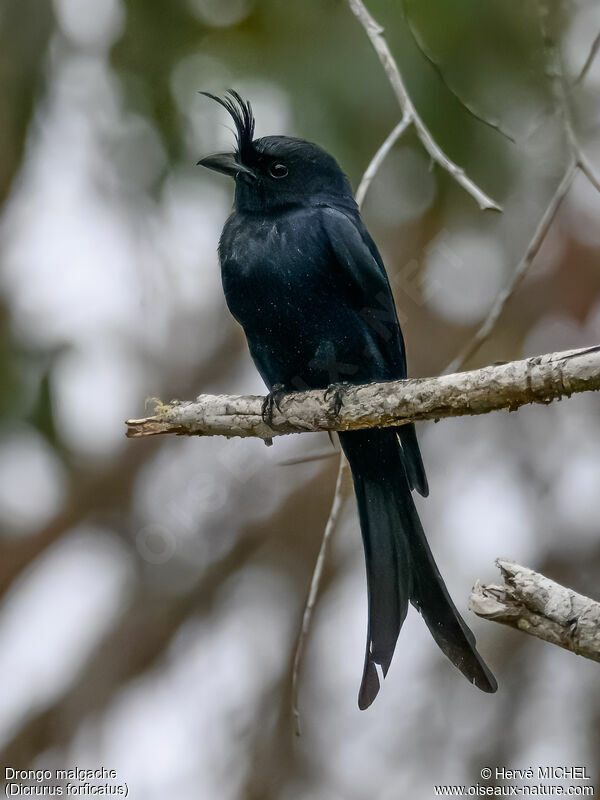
x=400 y=565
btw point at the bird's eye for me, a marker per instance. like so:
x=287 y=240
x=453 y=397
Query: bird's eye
x=278 y=170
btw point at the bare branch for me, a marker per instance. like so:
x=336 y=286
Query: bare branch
x=523 y=266
x=375 y=33
x=379 y=157
x=534 y=380
x=577 y=153
x=342 y=490
x=588 y=170
x=577 y=160
x=589 y=60
x=536 y=605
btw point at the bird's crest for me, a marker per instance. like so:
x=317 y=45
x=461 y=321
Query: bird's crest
x=241 y=113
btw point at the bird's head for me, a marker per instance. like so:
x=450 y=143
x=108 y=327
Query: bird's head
x=276 y=172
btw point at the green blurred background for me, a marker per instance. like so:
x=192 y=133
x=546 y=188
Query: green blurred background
x=151 y=591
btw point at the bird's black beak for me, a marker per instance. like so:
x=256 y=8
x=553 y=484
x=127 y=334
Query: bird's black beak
x=226 y=163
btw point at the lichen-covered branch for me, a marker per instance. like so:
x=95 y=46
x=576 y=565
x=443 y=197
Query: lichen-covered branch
x=536 y=605
x=540 y=379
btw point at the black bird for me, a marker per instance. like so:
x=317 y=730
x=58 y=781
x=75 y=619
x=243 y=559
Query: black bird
x=306 y=282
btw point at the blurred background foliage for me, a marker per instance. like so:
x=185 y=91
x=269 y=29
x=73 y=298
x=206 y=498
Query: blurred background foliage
x=151 y=592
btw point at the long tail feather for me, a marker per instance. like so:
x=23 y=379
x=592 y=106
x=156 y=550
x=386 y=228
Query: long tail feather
x=400 y=565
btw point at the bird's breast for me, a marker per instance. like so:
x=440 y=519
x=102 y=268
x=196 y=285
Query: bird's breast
x=273 y=270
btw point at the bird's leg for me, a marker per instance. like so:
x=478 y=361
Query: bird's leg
x=272 y=400
x=337 y=390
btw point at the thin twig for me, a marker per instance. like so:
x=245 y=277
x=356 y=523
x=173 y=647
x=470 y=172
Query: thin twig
x=589 y=60
x=523 y=266
x=342 y=488
x=562 y=95
x=588 y=170
x=428 y=56
x=379 y=157
x=375 y=33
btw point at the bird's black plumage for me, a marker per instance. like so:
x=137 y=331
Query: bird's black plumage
x=306 y=282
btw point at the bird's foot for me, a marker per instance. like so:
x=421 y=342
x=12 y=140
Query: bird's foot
x=337 y=390
x=270 y=402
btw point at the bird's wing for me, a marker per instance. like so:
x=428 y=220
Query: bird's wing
x=363 y=271
x=356 y=255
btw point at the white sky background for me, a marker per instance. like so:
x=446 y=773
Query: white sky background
x=93 y=265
